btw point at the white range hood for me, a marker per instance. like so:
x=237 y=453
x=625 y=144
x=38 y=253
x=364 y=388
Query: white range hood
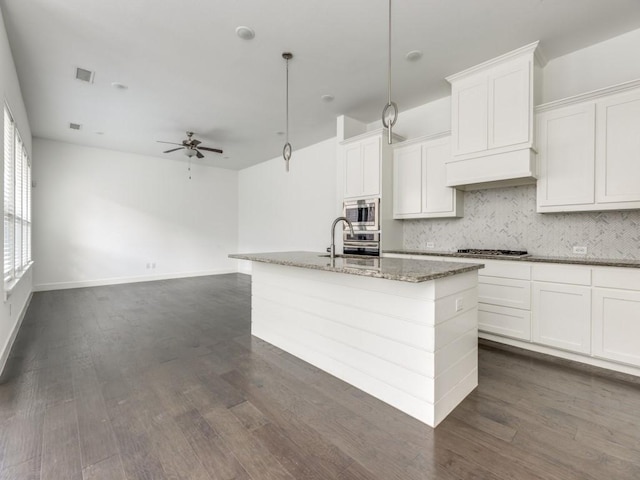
x=492 y=122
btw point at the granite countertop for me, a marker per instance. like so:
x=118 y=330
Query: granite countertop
x=401 y=269
x=602 y=262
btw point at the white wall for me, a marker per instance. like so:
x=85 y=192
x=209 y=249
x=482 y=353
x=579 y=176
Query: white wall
x=14 y=307
x=281 y=211
x=100 y=216
x=601 y=65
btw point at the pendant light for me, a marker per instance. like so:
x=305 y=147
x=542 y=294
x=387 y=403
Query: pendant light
x=390 y=111
x=286 y=151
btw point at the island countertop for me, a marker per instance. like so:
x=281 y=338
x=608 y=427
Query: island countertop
x=400 y=269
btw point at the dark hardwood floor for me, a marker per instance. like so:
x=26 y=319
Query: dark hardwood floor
x=163 y=380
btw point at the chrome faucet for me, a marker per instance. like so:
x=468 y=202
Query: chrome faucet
x=332 y=250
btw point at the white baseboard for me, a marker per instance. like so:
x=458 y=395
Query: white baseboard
x=4 y=356
x=44 y=287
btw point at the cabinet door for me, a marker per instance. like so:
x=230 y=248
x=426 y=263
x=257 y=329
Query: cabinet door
x=562 y=316
x=616 y=325
x=407 y=180
x=437 y=198
x=510 y=104
x=469 y=117
x=566 y=156
x=618 y=149
x=504 y=321
x=353 y=171
x=371 y=167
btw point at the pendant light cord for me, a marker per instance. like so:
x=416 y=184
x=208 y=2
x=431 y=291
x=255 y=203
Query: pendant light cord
x=390 y=106
x=286 y=151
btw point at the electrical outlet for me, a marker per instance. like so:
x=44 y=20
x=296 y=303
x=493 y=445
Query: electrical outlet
x=430 y=245
x=153 y=265
x=579 y=250
x=459 y=304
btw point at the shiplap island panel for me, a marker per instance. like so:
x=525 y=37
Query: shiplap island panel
x=403 y=331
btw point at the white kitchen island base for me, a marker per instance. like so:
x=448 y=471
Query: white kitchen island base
x=411 y=345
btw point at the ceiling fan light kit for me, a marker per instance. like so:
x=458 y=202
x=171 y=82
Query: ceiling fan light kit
x=390 y=111
x=286 y=151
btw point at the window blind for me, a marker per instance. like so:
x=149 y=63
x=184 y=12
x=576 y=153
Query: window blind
x=17 y=201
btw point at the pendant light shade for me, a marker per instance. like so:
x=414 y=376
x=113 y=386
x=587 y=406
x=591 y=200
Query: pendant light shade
x=390 y=111
x=286 y=151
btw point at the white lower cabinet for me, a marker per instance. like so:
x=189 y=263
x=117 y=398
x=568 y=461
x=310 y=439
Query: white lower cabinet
x=616 y=325
x=505 y=321
x=562 y=316
x=616 y=315
x=561 y=309
x=504 y=299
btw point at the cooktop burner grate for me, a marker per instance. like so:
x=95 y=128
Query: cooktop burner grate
x=505 y=253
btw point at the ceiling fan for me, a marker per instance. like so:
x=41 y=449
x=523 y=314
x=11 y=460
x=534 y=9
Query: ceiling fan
x=191 y=147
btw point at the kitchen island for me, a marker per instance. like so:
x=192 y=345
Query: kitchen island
x=402 y=330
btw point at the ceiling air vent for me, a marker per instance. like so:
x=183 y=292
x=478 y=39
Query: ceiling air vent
x=84 y=75
x=75 y=126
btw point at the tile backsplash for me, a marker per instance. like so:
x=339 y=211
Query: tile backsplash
x=506 y=218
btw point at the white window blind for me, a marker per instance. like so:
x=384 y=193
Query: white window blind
x=17 y=202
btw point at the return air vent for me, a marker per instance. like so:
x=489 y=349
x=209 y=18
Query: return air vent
x=75 y=126
x=84 y=75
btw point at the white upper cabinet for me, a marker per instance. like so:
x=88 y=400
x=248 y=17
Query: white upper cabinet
x=362 y=168
x=618 y=150
x=566 y=157
x=510 y=112
x=407 y=181
x=492 y=122
x=419 y=187
x=589 y=151
x=471 y=123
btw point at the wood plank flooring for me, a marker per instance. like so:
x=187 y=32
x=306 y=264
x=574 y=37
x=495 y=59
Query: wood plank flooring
x=162 y=380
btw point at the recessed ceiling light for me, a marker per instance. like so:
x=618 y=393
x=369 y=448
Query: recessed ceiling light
x=119 y=86
x=99 y=133
x=279 y=133
x=245 y=33
x=414 y=55
x=327 y=98
x=75 y=126
x=226 y=158
x=84 y=75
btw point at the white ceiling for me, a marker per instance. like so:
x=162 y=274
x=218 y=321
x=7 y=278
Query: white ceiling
x=187 y=70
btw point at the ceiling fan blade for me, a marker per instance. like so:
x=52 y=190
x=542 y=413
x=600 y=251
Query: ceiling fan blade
x=173 y=150
x=170 y=143
x=217 y=150
x=199 y=155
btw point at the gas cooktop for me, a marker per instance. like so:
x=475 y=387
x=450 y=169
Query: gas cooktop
x=497 y=253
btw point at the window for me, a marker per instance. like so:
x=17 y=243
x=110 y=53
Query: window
x=17 y=202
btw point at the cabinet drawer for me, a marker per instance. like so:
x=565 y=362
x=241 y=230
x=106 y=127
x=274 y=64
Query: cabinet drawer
x=616 y=325
x=505 y=321
x=506 y=269
x=505 y=292
x=623 y=278
x=572 y=274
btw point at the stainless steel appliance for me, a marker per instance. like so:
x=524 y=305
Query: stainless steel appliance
x=362 y=243
x=363 y=214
